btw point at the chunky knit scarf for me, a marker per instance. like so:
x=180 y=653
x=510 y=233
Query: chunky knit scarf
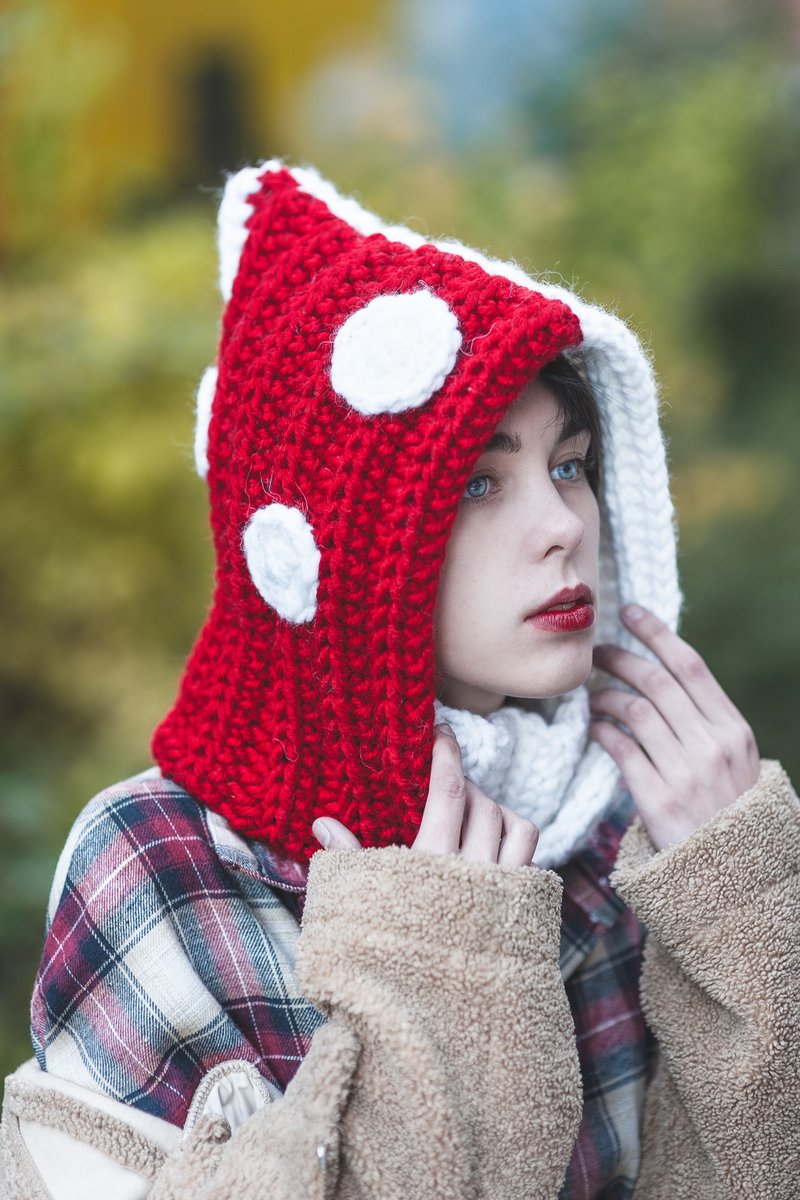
x=541 y=766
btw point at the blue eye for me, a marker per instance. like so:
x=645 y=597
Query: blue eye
x=568 y=472
x=478 y=488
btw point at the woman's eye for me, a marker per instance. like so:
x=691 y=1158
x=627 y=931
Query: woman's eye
x=568 y=472
x=478 y=488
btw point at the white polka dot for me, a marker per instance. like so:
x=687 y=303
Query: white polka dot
x=395 y=352
x=283 y=561
x=205 y=401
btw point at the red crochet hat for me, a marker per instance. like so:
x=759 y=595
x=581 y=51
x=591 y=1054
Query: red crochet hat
x=361 y=371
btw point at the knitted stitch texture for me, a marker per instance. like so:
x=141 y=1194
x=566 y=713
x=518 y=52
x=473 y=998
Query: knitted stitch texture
x=360 y=372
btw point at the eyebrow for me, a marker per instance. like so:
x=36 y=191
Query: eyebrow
x=572 y=429
x=505 y=443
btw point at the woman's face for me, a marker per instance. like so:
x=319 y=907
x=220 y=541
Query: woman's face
x=527 y=530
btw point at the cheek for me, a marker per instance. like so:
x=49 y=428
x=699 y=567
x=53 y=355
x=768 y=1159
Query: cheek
x=449 y=592
x=458 y=591
x=590 y=516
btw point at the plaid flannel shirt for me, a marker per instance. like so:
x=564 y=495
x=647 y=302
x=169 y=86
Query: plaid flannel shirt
x=170 y=948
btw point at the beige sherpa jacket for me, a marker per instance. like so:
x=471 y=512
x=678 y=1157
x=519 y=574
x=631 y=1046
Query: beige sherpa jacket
x=417 y=1087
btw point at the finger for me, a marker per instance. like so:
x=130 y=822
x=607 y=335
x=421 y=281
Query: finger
x=333 y=835
x=641 y=776
x=443 y=815
x=483 y=827
x=519 y=843
x=645 y=723
x=682 y=661
x=656 y=684
x=691 y=672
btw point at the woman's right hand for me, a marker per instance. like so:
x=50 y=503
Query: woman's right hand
x=457 y=819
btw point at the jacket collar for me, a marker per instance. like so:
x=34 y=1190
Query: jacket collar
x=253 y=858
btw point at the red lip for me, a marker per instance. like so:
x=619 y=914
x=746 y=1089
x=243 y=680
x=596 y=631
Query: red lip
x=569 y=596
x=569 y=611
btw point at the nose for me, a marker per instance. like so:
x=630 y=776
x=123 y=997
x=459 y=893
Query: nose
x=553 y=527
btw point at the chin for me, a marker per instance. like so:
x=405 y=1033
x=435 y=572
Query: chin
x=562 y=679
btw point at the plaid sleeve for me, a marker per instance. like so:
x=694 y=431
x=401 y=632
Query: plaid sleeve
x=161 y=960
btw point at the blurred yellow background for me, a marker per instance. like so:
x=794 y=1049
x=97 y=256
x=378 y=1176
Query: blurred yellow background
x=645 y=150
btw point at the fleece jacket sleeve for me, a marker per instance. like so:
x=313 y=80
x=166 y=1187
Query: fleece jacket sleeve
x=721 y=992
x=447 y=1066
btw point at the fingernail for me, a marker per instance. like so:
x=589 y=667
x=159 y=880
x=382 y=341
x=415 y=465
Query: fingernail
x=321 y=832
x=632 y=612
x=443 y=727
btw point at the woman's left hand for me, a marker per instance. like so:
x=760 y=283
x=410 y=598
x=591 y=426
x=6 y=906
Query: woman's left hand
x=689 y=752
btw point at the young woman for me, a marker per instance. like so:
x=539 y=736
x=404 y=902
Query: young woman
x=439 y=502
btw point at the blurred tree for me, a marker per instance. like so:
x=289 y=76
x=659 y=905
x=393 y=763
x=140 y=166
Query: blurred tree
x=106 y=110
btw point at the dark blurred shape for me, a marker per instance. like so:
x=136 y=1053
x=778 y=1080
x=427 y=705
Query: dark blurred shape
x=218 y=130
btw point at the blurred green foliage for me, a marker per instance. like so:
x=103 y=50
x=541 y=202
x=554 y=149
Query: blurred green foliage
x=667 y=180
x=103 y=535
